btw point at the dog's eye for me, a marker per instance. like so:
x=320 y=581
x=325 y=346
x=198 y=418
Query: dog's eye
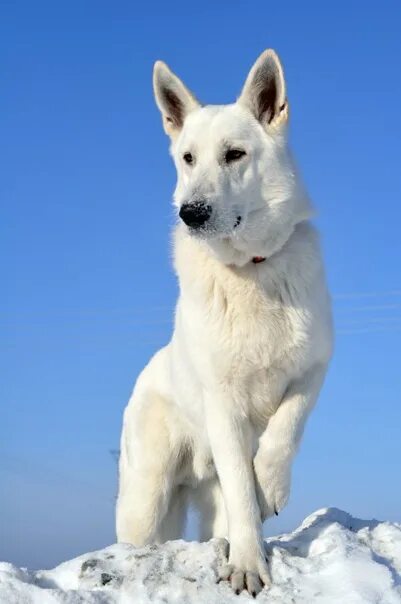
x=188 y=158
x=234 y=155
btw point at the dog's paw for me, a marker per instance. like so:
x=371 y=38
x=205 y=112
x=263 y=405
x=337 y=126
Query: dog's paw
x=252 y=576
x=273 y=480
x=246 y=569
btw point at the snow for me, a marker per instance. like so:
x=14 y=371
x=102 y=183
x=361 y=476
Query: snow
x=332 y=558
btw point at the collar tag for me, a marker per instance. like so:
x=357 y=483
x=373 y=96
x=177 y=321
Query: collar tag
x=258 y=259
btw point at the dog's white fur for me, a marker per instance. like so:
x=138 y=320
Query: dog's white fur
x=218 y=413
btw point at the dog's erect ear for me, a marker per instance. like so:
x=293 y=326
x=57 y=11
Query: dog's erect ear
x=264 y=90
x=174 y=100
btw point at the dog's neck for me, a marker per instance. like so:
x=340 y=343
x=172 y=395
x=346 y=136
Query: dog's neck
x=239 y=252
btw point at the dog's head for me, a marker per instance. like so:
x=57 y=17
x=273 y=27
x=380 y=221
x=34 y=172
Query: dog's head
x=236 y=186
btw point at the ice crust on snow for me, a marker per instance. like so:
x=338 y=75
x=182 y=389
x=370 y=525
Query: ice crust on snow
x=332 y=558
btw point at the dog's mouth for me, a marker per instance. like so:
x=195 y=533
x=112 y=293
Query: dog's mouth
x=202 y=232
x=211 y=230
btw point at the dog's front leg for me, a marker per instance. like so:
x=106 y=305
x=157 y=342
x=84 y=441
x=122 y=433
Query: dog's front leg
x=230 y=440
x=279 y=443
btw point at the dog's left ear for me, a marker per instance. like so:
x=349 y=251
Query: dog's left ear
x=264 y=90
x=173 y=98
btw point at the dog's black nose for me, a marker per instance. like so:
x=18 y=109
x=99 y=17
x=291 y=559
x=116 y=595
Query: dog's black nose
x=195 y=214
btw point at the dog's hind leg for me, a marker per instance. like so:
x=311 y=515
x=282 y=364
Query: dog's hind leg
x=152 y=453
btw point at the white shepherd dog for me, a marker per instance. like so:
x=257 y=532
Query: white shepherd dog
x=217 y=415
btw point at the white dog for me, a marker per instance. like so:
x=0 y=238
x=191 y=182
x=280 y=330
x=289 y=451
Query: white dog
x=218 y=413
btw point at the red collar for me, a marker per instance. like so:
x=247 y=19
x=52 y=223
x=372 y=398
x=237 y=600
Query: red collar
x=258 y=259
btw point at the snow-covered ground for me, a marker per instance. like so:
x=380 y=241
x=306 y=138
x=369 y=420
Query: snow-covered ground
x=332 y=558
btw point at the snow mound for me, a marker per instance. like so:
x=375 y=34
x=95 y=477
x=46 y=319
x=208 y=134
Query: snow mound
x=332 y=558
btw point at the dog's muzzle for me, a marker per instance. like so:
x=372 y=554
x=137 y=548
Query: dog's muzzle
x=195 y=214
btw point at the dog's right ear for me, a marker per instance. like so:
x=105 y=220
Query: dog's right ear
x=173 y=98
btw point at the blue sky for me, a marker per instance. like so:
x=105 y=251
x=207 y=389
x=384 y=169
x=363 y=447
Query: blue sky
x=88 y=289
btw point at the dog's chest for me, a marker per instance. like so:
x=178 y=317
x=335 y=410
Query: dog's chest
x=251 y=325
x=256 y=337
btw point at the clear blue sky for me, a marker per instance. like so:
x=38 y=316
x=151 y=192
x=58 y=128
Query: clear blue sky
x=87 y=285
